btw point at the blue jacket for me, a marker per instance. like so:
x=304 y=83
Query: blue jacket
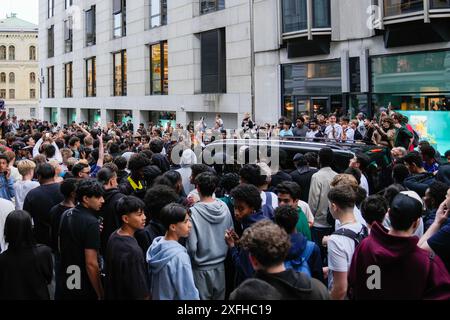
x=170 y=270
x=6 y=188
x=298 y=245
x=239 y=256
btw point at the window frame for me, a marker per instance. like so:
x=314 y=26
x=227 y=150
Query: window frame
x=11 y=53
x=51 y=44
x=163 y=66
x=50 y=8
x=221 y=86
x=123 y=71
x=93 y=61
x=123 y=19
x=162 y=14
x=93 y=13
x=218 y=5
x=68 y=35
x=51 y=82
x=68 y=80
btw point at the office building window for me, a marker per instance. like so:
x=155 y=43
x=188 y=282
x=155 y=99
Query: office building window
x=12 y=77
x=158 y=13
x=51 y=42
x=68 y=4
x=32 y=53
x=159 y=68
x=2 y=77
x=397 y=7
x=12 y=93
x=68 y=76
x=68 y=35
x=2 y=53
x=51 y=82
x=32 y=93
x=440 y=4
x=2 y=93
x=32 y=112
x=11 y=112
x=12 y=53
x=207 y=6
x=120 y=73
x=51 y=8
x=119 y=18
x=90 y=27
x=90 y=78
x=213 y=61
x=295 y=15
x=32 y=77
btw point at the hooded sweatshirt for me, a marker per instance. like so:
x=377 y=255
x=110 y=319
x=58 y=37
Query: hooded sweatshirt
x=298 y=245
x=406 y=271
x=170 y=271
x=294 y=285
x=206 y=244
x=111 y=221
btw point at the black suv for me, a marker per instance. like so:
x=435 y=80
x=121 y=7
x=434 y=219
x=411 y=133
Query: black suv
x=236 y=152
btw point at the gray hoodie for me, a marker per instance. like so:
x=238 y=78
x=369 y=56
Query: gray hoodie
x=206 y=243
x=170 y=271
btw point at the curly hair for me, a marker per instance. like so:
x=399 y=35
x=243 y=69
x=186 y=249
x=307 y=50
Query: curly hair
x=157 y=198
x=267 y=242
x=249 y=194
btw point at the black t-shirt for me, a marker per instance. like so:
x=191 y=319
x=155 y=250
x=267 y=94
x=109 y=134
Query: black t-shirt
x=79 y=231
x=25 y=274
x=125 y=268
x=38 y=203
x=55 y=218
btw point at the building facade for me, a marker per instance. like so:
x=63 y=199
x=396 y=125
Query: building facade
x=19 y=83
x=146 y=60
x=350 y=56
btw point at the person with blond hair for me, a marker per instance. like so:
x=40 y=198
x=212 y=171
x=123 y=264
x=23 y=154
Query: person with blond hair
x=22 y=187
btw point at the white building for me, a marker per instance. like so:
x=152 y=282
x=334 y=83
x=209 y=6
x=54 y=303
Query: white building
x=19 y=86
x=109 y=64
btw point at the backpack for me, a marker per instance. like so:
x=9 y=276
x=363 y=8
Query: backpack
x=302 y=265
x=267 y=209
x=356 y=237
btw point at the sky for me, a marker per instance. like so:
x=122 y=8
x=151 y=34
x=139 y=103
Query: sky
x=26 y=9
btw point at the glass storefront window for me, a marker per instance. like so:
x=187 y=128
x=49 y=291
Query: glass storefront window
x=440 y=4
x=316 y=78
x=398 y=7
x=321 y=13
x=294 y=15
x=288 y=108
x=418 y=72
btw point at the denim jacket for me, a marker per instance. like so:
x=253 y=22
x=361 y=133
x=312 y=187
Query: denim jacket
x=6 y=187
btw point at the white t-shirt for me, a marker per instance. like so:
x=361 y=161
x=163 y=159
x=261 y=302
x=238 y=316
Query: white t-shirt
x=6 y=207
x=358 y=217
x=274 y=199
x=340 y=251
x=21 y=188
x=364 y=184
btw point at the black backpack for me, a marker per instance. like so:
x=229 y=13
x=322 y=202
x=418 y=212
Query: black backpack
x=356 y=237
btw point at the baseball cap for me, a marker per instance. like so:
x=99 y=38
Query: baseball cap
x=299 y=157
x=414 y=195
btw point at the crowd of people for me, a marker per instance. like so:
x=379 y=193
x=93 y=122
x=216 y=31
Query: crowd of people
x=105 y=213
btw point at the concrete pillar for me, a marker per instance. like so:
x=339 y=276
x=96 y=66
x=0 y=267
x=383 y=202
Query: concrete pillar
x=345 y=74
x=62 y=116
x=136 y=119
x=364 y=67
x=182 y=118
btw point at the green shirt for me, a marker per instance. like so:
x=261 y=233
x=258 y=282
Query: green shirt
x=302 y=225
